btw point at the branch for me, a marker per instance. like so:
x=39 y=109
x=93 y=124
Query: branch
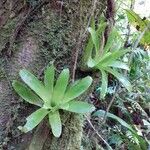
x=80 y=41
x=109 y=147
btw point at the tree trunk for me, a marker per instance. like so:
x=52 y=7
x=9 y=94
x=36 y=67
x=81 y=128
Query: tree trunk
x=34 y=34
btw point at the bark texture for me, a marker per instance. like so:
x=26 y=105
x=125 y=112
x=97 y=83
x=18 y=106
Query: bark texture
x=49 y=33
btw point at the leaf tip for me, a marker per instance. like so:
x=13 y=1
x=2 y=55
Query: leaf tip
x=23 y=129
x=22 y=72
x=93 y=108
x=14 y=83
x=57 y=135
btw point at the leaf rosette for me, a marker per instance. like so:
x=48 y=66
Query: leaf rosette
x=51 y=97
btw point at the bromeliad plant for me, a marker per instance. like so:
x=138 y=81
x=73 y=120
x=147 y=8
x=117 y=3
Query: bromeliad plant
x=51 y=98
x=105 y=57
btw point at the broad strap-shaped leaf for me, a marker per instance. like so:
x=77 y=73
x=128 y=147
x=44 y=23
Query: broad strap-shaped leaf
x=88 y=50
x=135 y=20
x=95 y=39
x=26 y=93
x=77 y=89
x=104 y=84
x=117 y=64
x=55 y=123
x=34 y=119
x=110 y=40
x=112 y=57
x=49 y=83
x=93 y=23
x=101 y=113
x=49 y=78
x=60 y=87
x=101 y=28
x=89 y=46
x=98 y=61
x=78 y=107
x=34 y=84
x=121 y=78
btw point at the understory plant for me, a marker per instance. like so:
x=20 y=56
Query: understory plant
x=106 y=57
x=122 y=132
x=128 y=119
x=52 y=97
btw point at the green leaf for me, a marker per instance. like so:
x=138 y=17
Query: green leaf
x=34 y=84
x=110 y=40
x=55 y=123
x=99 y=60
x=112 y=57
x=93 y=23
x=26 y=93
x=101 y=113
x=117 y=64
x=78 y=107
x=104 y=84
x=135 y=19
x=60 y=87
x=121 y=78
x=49 y=78
x=77 y=89
x=95 y=39
x=91 y=63
x=34 y=119
x=88 y=50
x=146 y=40
x=49 y=83
x=101 y=28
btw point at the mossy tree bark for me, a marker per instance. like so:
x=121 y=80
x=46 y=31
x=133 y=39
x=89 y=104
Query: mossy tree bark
x=50 y=32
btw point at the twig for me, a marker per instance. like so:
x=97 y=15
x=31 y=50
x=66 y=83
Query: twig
x=120 y=90
x=136 y=44
x=134 y=81
x=75 y=61
x=128 y=26
x=90 y=123
x=80 y=41
x=92 y=14
x=110 y=104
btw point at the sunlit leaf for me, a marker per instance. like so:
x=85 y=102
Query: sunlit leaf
x=91 y=63
x=49 y=78
x=121 y=78
x=34 y=84
x=117 y=64
x=78 y=107
x=104 y=84
x=93 y=23
x=110 y=40
x=34 y=119
x=77 y=89
x=140 y=24
x=101 y=113
x=26 y=93
x=88 y=50
x=135 y=19
x=112 y=57
x=101 y=28
x=55 y=123
x=146 y=38
x=60 y=87
x=95 y=39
